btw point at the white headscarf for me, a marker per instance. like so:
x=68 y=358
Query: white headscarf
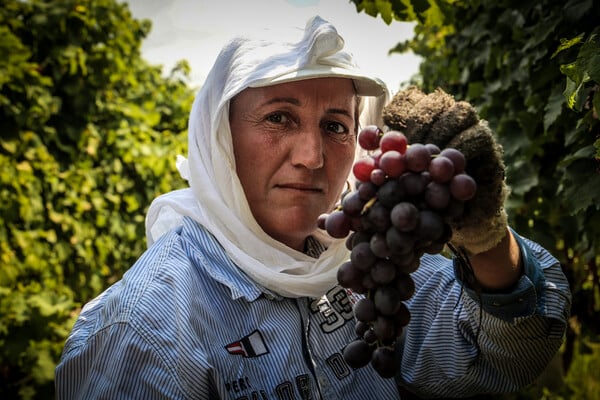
x=216 y=199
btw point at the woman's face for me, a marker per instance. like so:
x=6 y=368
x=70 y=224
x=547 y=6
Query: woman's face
x=294 y=146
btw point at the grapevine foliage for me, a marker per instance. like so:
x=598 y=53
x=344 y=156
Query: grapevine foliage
x=89 y=132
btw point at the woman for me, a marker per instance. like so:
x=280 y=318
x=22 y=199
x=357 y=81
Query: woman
x=236 y=297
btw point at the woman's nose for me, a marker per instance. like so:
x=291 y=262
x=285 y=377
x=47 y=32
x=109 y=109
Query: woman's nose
x=307 y=149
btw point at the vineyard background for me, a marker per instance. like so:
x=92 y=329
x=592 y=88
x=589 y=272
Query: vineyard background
x=88 y=130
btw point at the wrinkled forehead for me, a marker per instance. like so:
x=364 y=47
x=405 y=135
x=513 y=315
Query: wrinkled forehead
x=331 y=92
x=342 y=88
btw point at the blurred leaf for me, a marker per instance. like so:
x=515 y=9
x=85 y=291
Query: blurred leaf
x=88 y=130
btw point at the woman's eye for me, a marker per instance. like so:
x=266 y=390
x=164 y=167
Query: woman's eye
x=335 y=127
x=277 y=118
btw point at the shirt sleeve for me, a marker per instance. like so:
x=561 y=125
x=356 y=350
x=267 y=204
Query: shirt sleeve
x=525 y=298
x=115 y=363
x=460 y=343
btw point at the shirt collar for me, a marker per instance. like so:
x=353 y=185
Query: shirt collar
x=208 y=255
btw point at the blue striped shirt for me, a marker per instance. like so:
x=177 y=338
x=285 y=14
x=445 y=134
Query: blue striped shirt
x=185 y=323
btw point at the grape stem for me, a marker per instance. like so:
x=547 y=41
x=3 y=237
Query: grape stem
x=368 y=204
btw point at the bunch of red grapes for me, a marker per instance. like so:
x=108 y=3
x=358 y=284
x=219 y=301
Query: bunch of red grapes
x=404 y=198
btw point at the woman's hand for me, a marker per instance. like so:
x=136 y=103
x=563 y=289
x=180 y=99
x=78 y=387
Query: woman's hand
x=481 y=231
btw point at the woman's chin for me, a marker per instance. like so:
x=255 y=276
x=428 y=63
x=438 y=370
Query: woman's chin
x=291 y=232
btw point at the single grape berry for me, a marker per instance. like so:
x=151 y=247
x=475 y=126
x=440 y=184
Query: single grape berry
x=400 y=242
x=430 y=227
x=379 y=246
x=369 y=137
x=405 y=286
x=402 y=317
x=385 y=362
x=441 y=169
x=337 y=224
x=360 y=328
x=352 y=204
x=369 y=336
x=383 y=271
x=362 y=257
x=457 y=158
x=433 y=148
x=463 y=187
x=367 y=190
x=348 y=275
x=365 y=311
x=321 y=220
x=387 y=300
x=437 y=195
x=357 y=353
x=363 y=167
x=391 y=193
x=393 y=140
x=377 y=176
x=368 y=283
x=404 y=216
x=378 y=217
x=384 y=328
x=413 y=183
x=392 y=163
x=417 y=157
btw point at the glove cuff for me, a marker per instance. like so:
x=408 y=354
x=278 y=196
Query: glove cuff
x=481 y=237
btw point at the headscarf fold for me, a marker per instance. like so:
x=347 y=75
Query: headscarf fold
x=215 y=198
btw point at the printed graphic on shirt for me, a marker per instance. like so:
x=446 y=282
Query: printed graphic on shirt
x=287 y=391
x=335 y=309
x=252 y=345
x=243 y=389
x=238 y=385
x=332 y=312
x=338 y=365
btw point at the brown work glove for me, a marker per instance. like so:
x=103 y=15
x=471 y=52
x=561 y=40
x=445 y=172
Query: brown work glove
x=437 y=118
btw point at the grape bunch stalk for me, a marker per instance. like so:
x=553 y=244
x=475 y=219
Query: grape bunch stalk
x=404 y=198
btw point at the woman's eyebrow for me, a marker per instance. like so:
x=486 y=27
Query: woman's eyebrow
x=294 y=101
x=291 y=100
